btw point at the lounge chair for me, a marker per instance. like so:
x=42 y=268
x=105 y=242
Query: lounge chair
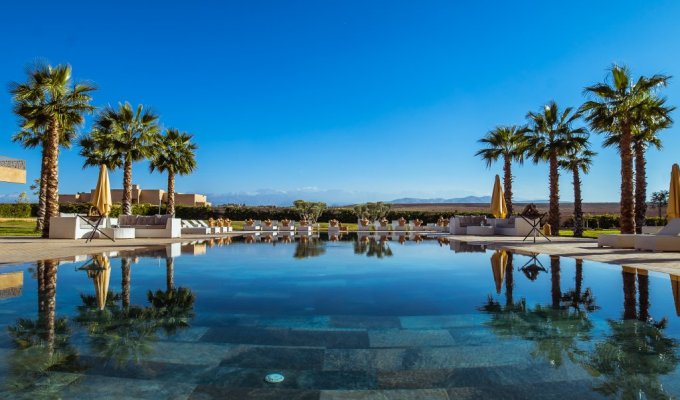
x=363 y=225
x=286 y=225
x=666 y=240
x=251 y=225
x=192 y=227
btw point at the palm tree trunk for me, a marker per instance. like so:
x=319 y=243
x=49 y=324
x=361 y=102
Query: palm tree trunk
x=578 y=278
x=640 y=186
x=578 y=209
x=627 y=201
x=509 y=282
x=40 y=275
x=554 y=211
x=50 y=296
x=643 y=288
x=629 y=301
x=170 y=273
x=52 y=176
x=171 y=193
x=507 y=183
x=125 y=265
x=44 y=165
x=127 y=187
x=555 y=290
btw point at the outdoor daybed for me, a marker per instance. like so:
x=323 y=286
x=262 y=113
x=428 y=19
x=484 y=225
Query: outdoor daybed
x=666 y=240
x=152 y=226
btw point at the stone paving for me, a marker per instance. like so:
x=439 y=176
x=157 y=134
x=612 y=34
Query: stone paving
x=27 y=249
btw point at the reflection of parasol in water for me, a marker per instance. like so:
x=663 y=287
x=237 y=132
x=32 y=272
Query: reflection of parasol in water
x=675 y=286
x=99 y=270
x=499 y=262
x=533 y=267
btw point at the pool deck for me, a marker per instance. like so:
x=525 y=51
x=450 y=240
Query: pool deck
x=23 y=249
x=28 y=249
x=585 y=249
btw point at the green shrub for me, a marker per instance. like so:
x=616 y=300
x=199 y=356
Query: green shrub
x=15 y=210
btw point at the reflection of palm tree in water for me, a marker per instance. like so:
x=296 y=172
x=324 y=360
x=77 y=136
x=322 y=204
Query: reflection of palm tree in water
x=173 y=308
x=41 y=344
x=125 y=267
x=556 y=330
x=636 y=352
x=576 y=297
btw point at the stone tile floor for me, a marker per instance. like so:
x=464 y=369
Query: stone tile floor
x=438 y=359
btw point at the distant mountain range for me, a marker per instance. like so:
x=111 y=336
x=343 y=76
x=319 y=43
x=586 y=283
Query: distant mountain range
x=456 y=200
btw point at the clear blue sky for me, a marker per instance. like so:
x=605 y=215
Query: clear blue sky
x=343 y=100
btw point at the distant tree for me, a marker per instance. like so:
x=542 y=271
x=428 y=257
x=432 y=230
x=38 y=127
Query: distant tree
x=175 y=154
x=360 y=210
x=660 y=199
x=616 y=108
x=309 y=210
x=551 y=135
x=51 y=103
x=22 y=198
x=576 y=161
x=506 y=143
x=377 y=210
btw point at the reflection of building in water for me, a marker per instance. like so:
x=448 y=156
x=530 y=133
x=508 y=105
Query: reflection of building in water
x=11 y=284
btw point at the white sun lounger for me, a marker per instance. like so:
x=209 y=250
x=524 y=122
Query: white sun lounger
x=666 y=240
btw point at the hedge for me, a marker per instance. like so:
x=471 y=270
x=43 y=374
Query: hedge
x=239 y=213
x=15 y=210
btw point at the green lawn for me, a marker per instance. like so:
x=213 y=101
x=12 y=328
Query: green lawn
x=591 y=233
x=18 y=228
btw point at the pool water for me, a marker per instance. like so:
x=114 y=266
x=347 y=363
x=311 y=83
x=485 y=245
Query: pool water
x=347 y=318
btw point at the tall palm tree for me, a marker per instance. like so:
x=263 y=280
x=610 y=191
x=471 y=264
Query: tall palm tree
x=174 y=153
x=551 y=135
x=50 y=100
x=576 y=161
x=32 y=138
x=506 y=142
x=649 y=122
x=129 y=134
x=97 y=150
x=615 y=109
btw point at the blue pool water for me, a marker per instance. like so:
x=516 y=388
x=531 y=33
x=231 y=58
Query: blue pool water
x=355 y=318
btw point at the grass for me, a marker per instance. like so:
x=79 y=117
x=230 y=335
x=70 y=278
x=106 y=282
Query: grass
x=591 y=233
x=18 y=228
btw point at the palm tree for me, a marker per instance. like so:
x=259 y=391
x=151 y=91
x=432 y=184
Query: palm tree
x=616 y=109
x=577 y=161
x=49 y=100
x=30 y=139
x=660 y=199
x=129 y=135
x=550 y=136
x=650 y=120
x=506 y=142
x=175 y=154
x=97 y=150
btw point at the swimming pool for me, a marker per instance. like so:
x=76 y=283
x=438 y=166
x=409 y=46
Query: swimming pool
x=347 y=318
